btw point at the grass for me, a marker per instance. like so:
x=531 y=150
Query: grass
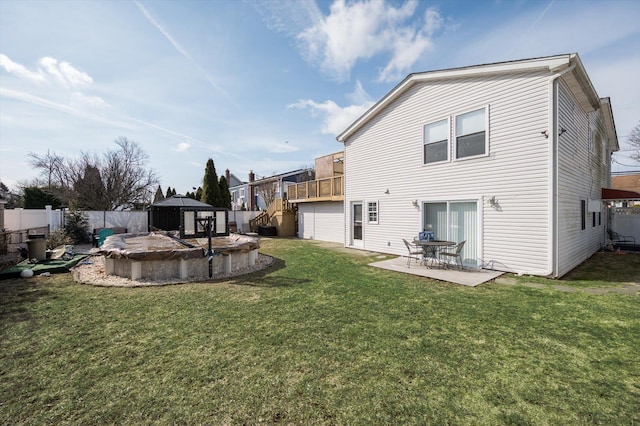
x=602 y=270
x=320 y=338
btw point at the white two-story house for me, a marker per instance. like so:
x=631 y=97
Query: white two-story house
x=510 y=157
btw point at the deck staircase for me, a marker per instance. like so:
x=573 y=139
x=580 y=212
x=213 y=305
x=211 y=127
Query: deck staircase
x=281 y=214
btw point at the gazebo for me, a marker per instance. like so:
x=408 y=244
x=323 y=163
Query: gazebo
x=184 y=214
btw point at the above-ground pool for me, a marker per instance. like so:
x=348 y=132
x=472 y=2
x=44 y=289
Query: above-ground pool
x=160 y=256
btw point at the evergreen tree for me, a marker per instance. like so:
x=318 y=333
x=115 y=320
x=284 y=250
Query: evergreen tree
x=37 y=198
x=210 y=185
x=173 y=192
x=199 y=193
x=159 y=195
x=225 y=195
x=88 y=191
x=169 y=194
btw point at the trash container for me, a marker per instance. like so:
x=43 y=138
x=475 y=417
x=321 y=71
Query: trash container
x=37 y=245
x=267 y=231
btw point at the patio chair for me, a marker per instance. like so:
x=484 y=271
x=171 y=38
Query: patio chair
x=103 y=234
x=618 y=239
x=456 y=255
x=414 y=252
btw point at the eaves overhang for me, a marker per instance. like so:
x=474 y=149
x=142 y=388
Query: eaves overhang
x=609 y=124
x=577 y=80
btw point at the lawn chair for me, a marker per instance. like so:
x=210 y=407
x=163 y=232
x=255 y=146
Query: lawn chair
x=617 y=239
x=456 y=254
x=414 y=252
x=103 y=234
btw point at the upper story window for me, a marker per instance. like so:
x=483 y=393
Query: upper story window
x=372 y=212
x=436 y=142
x=471 y=133
x=242 y=193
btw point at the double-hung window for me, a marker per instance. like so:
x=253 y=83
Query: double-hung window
x=372 y=212
x=436 y=142
x=471 y=134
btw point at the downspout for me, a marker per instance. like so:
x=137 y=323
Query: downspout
x=554 y=248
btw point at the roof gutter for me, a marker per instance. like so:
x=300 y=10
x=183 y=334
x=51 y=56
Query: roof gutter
x=553 y=172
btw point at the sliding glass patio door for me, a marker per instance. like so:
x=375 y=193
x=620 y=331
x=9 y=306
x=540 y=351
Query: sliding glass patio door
x=454 y=221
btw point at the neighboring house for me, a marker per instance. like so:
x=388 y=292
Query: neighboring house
x=239 y=191
x=269 y=188
x=630 y=182
x=252 y=194
x=278 y=215
x=510 y=157
x=320 y=202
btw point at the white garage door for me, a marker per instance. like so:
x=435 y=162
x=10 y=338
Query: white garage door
x=321 y=221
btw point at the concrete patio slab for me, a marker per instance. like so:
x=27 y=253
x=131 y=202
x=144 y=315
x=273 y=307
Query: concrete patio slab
x=468 y=277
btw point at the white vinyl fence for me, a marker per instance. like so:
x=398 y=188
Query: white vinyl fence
x=21 y=219
x=134 y=221
x=242 y=218
x=626 y=221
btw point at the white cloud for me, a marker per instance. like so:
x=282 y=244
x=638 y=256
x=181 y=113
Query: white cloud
x=359 y=95
x=65 y=73
x=50 y=71
x=362 y=30
x=288 y=17
x=183 y=147
x=73 y=76
x=282 y=147
x=57 y=106
x=81 y=99
x=335 y=118
x=19 y=70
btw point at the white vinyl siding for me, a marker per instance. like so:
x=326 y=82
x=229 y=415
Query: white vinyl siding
x=323 y=221
x=514 y=233
x=581 y=176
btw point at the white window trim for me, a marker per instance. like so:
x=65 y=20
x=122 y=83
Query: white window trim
x=377 y=203
x=448 y=159
x=486 y=133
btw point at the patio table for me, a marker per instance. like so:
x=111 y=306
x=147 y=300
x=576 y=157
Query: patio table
x=431 y=249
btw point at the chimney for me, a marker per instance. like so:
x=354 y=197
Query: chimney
x=252 y=177
x=227 y=175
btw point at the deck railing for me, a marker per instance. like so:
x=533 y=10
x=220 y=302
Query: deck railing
x=319 y=189
x=264 y=218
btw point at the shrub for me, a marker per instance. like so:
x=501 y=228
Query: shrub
x=58 y=238
x=77 y=226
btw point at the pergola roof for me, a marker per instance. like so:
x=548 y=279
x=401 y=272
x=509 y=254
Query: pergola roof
x=619 y=195
x=180 y=201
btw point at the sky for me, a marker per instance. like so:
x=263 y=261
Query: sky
x=267 y=85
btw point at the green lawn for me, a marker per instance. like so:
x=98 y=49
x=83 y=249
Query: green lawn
x=320 y=338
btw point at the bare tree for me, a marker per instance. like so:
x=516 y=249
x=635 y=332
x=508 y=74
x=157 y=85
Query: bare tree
x=634 y=140
x=267 y=189
x=118 y=178
x=52 y=167
x=124 y=176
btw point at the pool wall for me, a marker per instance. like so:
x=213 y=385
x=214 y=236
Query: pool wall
x=233 y=254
